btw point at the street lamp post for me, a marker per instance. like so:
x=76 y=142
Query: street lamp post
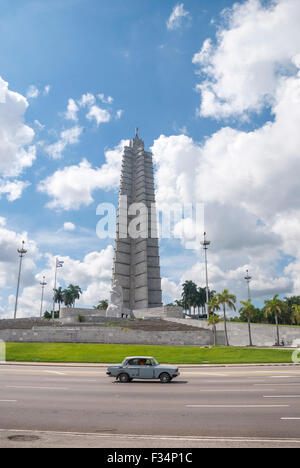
x=22 y=253
x=43 y=284
x=206 y=244
x=248 y=278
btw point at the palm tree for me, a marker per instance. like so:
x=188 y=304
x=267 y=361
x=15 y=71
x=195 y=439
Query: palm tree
x=213 y=306
x=274 y=307
x=58 y=297
x=189 y=294
x=68 y=298
x=201 y=299
x=296 y=314
x=102 y=306
x=75 y=293
x=249 y=309
x=226 y=299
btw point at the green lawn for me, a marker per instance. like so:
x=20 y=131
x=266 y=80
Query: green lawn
x=102 y=353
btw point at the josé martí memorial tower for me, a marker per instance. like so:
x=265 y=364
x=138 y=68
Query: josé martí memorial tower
x=136 y=266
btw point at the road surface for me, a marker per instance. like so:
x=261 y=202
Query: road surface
x=204 y=407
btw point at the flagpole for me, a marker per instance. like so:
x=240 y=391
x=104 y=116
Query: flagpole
x=54 y=290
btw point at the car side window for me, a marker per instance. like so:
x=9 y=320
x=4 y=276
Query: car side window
x=133 y=362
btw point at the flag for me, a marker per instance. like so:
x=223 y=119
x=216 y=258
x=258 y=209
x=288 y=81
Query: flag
x=59 y=263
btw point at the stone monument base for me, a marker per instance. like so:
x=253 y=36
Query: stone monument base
x=159 y=313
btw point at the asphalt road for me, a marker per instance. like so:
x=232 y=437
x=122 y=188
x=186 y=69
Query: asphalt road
x=204 y=407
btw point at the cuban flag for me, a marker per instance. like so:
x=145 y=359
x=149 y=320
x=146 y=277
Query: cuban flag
x=59 y=263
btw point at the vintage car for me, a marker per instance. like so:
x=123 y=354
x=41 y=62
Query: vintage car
x=138 y=367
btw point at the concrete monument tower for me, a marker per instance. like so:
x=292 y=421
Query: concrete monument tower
x=136 y=260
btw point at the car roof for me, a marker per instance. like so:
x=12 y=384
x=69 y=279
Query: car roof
x=139 y=357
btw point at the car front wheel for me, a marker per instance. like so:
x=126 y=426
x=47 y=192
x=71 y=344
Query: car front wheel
x=124 y=378
x=165 y=378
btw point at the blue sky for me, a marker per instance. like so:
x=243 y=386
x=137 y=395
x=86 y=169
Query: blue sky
x=125 y=50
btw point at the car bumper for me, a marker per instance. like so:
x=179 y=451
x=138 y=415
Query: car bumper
x=176 y=374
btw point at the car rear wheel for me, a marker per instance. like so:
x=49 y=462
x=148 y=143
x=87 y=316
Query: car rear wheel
x=165 y=378
x=124 y=378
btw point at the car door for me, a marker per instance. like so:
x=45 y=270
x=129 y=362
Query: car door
x=133 y=368
x=146 y=370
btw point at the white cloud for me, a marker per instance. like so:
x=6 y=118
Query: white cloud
x=69 y=227
x=105 y=100
x=248 y=182
x=73 y=187
x=67 y=137
x=119 y=114
x=72 y=110
x=10 y=241
x=32 y=92
x=12 y=189
x=39 y=125
x=92 y=274
x=98 y=114
x=178 y=14
x=87 y=99
x=256 y=46
x=47 y=90
x=16 y=149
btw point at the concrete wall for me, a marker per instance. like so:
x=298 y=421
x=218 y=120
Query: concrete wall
x=107 y=335
x=160 y=312
x=262 y=335
x=67 y=312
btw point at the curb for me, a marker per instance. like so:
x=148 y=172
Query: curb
x=189 y=366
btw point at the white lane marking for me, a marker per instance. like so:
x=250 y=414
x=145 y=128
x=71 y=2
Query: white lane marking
x=277 y=384
x=54 y=372
x=282 y=376
x=156 y=437
x=229 y=390
x=237 y=406
x=37 y=388
x=281 y=396
x=290 y=419
x=8 y=401
x=204 y=373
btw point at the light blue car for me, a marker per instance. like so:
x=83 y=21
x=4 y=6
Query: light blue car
x=138 y=367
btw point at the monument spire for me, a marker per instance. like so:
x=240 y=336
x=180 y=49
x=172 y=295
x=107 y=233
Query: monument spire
x=136 y=260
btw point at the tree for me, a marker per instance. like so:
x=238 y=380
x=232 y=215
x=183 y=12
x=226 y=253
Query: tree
x=249 y=309
x=226 y=299
x=48 y=315
x=189 y=295
x=58 y=297
x=213 y=306
x=296 y=314
x=200 y=299
x=274 y=307
x=68 y=298
x=103 y=305
x=75 y=292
